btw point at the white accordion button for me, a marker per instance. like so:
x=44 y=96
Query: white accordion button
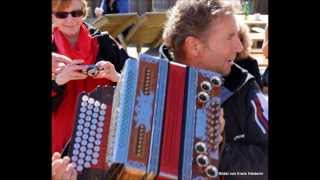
x=74 y=158
x=95 y=115
x=94 y=161
x=85 y=98
x=97 y=103
x=82 y=115
x=79 y=168
x=85 y=130
x=103 y=106
x=84 y=103
x=87 y=165
x=76 y=146
x=100 y=124
x=99 y=130
x=91 y=101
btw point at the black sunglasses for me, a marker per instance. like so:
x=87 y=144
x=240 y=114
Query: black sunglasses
x=63 y=15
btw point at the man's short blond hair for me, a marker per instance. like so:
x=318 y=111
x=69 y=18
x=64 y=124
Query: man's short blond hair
x=191 y=18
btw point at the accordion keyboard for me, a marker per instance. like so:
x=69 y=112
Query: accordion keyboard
x=89 y=140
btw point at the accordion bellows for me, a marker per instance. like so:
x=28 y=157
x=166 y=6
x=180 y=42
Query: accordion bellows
x=165 y=120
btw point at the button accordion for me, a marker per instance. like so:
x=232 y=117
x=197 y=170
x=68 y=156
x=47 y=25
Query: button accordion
x=160 y=122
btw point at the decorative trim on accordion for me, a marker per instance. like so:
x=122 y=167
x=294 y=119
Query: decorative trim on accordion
x=120 y=120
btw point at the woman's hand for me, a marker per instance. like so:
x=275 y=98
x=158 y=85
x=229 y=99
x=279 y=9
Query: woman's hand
x=108 y=71
x=62 y=169
x=70 y=72
x=58 y=62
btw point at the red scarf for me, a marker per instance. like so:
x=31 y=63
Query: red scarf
x=86 y=48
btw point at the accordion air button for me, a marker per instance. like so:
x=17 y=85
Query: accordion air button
x=202 y=160
x=103 y=106
x=200 y=147
x=91 y=101
x=203 y=97
x=97 y=103
x=85 y=98
x=215 y=80
x=205 y=86
x=211 y=171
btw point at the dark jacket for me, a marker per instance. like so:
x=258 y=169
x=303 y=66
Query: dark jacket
x=251 y=65
x=245 y=148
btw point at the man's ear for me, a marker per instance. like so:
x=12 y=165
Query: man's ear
x=192 y=46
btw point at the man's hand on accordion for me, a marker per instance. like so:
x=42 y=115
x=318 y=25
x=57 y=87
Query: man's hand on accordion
x=108 y=71
x=62 y=169
x=70 y=72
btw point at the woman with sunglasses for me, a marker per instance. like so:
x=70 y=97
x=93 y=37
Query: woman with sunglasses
x=84 y=45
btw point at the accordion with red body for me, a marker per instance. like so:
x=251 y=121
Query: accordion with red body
x=164 y=122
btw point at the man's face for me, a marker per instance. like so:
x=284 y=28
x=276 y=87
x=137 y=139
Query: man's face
x=220 y=47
